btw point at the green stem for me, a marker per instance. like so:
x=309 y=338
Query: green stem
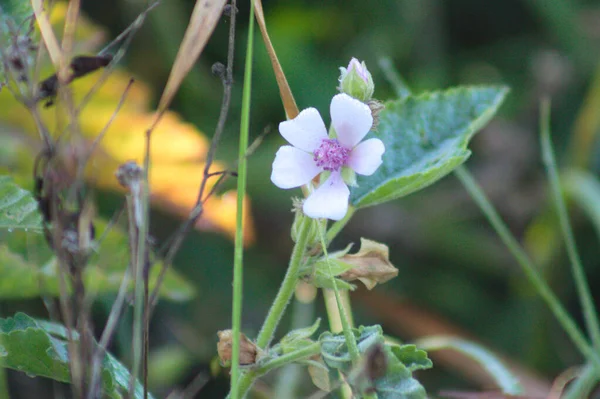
x=248 y=377
x=302 y=313
x=335 y=228
x=286 y=291
x=236 y=316
x=583 y=289
x=348 y=334
x=527 y=265
x=584 y=384
x=279 y=361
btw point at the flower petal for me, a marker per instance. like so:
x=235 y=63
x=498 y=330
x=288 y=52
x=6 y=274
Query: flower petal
x=293 y=167
x=306 y=131
x=330 y=199
x=351 y=119
x=365 y=158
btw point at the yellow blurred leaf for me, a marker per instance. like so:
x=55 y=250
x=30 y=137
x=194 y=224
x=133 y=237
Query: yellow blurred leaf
x=178 y=148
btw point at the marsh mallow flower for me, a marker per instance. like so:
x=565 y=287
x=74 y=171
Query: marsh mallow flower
x=356 y=80
x=313 y=152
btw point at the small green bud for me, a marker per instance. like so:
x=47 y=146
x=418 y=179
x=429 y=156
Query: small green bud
x=356 y=81
x=315 y=224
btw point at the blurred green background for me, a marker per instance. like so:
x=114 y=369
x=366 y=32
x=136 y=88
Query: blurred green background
x=454 y=271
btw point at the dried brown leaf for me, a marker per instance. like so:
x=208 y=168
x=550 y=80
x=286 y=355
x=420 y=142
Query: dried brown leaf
x=371 y=263
x=203 y=21
x=289 y=104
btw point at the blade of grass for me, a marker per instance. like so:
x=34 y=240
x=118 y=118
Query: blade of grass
x=584 y=189
x=239 y=234
x=583 y=289
x=527 y=265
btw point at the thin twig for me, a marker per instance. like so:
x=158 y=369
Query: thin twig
x=196 y=212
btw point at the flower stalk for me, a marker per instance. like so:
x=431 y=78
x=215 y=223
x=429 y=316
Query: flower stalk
x=286 y=291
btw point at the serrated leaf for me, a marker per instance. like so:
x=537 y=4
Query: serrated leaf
x=40 y=349
x=425 y=137
x=411 y=357
x=18 y=208
x=26 y=347
x=30 y=278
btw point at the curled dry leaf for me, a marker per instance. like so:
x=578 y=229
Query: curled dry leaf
x=248 y=349
x=371 y=264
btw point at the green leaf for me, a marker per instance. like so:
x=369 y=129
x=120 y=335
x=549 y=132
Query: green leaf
x=15 y=10
x=335 y=352
x=115 y=376
x=24 y=346
x=21 y=277
x=18 y=208
x=506 y=381
x=398 y=384
x=300 y=333
x=411 y=357
x=39 y=348
x=425 y=137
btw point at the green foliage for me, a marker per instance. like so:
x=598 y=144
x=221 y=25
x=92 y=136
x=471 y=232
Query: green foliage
x=411 y=357
x=425 y=137
x=30 y=278
x=401 y=360
x=335 y=350
x=23 y=278
x=299 y=337
x=321 y=272
x=39 y=348
x=18 y=208
x=15 y=10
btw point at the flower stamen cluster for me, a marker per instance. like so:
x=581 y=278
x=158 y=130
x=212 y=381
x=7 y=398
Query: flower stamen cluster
x=331 y=155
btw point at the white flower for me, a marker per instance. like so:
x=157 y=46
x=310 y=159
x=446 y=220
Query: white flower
x=313 y=152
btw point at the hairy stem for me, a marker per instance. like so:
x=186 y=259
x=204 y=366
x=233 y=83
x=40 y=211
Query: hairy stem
x=286 y=291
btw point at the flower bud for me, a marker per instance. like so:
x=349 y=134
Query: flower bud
x=356 y=81
x=248 y=349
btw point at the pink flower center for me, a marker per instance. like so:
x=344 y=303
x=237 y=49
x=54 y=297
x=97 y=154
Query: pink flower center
x=331 y=155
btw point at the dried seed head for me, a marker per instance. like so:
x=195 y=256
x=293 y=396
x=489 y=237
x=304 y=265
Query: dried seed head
x=228 y=10
x=129 y=174
x=376 y=107
x=371 y=264
x=218 y=69
x=248 y=349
